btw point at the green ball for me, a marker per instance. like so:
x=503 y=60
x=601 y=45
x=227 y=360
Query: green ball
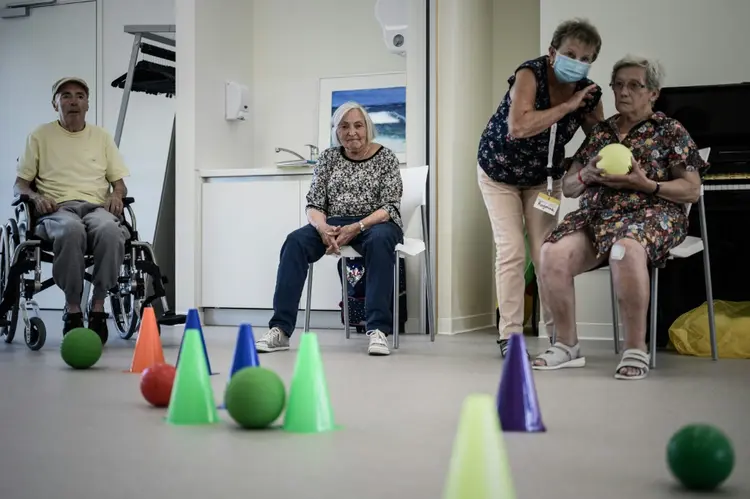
x=700 y=456
x=81 y=348
x=255 y=397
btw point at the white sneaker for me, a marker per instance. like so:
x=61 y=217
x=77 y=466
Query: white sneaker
x=273 y=341
x=378 y=343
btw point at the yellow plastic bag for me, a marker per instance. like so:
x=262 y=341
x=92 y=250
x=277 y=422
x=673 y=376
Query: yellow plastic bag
x=690 y=334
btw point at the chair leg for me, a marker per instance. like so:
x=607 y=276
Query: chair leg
x=309 y=298
x=345 y=297
x=707 y=277
x=428 y=275
x=430 y=309
x=396 y=300
x=654 y=307
x=615 y=313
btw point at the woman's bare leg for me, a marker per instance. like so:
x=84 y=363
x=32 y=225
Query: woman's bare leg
x=631 y=281
x=561 y=262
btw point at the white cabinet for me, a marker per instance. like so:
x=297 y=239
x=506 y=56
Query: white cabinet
x=244 y=222
x=244 y=225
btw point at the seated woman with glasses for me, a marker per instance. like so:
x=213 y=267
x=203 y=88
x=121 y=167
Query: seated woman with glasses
x=630 y=221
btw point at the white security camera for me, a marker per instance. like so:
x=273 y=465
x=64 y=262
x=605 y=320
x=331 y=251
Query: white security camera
x=393 y=16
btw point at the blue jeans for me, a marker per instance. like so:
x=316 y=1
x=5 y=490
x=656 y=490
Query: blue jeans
x=303 y=246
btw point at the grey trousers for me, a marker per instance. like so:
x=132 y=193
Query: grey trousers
x=78 y=226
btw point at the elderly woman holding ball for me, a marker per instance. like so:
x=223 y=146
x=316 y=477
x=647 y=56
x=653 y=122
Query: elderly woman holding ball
x=354 y=200
x=628 y=220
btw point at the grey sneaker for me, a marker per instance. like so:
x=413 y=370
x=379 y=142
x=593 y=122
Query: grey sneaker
x=378 y=343
x=274 y=340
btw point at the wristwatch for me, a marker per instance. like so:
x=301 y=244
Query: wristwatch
x=361 y=226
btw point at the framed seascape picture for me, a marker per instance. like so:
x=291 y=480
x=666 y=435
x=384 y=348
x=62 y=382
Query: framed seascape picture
x=382 y=95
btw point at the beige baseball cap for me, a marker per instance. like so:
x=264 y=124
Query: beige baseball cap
x=62 y=81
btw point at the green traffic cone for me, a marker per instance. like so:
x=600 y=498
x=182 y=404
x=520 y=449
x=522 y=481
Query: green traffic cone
x=309 y=407
x=192 y=401
x=479 y=466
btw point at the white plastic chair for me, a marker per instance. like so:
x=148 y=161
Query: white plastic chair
x=414 y=191
x=689 y=247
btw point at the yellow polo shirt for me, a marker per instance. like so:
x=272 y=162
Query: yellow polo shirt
x=72 y=166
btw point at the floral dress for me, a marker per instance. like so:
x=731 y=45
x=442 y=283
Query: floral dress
x=660 y=144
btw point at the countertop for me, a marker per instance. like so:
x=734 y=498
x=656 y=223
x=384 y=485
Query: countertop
x=255 y=172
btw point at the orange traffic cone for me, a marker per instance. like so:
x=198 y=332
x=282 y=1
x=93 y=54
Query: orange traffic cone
x=148 y=351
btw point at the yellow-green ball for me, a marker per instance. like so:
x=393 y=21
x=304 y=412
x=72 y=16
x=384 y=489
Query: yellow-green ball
x=615 y=159
x=255 y=397
x=81 y=348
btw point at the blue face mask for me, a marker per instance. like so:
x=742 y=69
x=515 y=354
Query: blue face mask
x=569 y=70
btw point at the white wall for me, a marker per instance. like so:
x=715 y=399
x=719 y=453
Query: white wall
x=698 y=41
x=464 y=241
x=294 y=45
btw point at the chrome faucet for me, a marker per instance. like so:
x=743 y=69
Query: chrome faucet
x=313 y=152
x=279 y=149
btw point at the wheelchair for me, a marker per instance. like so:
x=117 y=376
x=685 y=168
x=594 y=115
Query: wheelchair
x=22 y=254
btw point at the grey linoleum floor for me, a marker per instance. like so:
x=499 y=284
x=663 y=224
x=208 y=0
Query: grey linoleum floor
x=89 y=435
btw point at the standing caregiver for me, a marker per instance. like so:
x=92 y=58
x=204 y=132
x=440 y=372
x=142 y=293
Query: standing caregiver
x=521 y=155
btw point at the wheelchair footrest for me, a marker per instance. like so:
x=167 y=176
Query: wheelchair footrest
x=172 y=319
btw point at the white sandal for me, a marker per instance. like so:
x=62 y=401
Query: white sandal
x=636 y=359
x=559 y=356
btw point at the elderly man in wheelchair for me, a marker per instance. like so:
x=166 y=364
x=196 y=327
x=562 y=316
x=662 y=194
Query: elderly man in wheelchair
x=69 y=210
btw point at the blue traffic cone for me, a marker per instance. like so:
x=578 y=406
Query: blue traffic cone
x=194 y=322
x=245 y=354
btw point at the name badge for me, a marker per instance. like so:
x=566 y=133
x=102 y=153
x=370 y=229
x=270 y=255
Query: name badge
x=547 y=203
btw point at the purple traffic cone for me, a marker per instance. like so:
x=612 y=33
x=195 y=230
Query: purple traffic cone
x=517 y=404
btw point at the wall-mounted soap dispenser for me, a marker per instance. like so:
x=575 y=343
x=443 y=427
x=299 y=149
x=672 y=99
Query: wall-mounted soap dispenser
x=237 y=101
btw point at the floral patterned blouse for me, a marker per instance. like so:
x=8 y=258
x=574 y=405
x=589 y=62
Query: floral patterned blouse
x=523 y=162
x=660 y=145
x=343 y=187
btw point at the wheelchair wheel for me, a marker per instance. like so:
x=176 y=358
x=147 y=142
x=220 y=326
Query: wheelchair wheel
x=9 y=240
x=36 y=333
x=126 y=314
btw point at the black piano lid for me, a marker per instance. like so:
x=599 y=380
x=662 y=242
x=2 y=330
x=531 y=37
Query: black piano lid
x=716 y=116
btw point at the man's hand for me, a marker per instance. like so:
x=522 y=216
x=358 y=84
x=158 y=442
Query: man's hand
x=43 y=205
x=328 y=236
x=113 y=204
x=346 y=234
x=635 y=180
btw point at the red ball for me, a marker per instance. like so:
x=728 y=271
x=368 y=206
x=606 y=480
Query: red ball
x=156 y=384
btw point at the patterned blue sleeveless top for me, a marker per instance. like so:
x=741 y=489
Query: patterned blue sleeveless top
x=523 y=162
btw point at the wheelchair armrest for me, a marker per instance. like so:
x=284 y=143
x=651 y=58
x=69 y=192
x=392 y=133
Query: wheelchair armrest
x=128 y=201
x=23 y=198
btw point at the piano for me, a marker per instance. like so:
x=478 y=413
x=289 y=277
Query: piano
x=716 y=116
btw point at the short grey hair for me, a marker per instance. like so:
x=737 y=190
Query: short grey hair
x=577 y=29
x=653 y=69
x=339 y=114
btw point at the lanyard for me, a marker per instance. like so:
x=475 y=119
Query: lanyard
x=551 y=156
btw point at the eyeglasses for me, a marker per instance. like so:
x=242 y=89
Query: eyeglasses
x=632 y=86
